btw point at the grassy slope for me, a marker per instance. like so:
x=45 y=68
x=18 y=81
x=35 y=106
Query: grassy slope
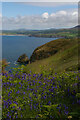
x=66 y=57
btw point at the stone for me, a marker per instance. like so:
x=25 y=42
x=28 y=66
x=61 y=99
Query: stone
x=23 y=59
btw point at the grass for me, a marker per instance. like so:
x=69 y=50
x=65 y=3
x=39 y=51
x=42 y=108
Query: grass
x=64 y=59
x=43 y=96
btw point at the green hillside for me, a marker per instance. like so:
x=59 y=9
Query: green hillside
x=57 y=55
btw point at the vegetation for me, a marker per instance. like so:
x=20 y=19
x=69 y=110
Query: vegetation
x=45 y=95
x=59 y=55
x=48 y=88
x=66 y=33
x=4 y=64
x=54 y=47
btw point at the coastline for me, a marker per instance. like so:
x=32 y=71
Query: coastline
x=12 y=35
x=28 y=35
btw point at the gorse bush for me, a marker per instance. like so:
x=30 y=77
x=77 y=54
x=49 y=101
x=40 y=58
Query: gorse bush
x=47 y=96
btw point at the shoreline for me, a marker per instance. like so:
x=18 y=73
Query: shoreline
x=13 y=35
x=28 y=36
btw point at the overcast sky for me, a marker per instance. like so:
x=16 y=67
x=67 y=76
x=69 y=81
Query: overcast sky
x=39 y=15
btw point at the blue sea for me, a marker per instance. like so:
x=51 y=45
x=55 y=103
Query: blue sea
x=15 y=46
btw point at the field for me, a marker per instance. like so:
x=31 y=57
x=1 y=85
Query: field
x=51 y=96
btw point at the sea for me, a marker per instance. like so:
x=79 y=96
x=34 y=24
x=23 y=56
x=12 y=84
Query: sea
x=15 y=46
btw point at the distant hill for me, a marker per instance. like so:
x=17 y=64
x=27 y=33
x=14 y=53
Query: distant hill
x=52 y=32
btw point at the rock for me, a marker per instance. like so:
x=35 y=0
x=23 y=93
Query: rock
x=23 y=59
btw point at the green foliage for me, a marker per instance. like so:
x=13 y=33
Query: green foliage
x=66 y=58
x=49 y=111
x=46 y=95
x=78 y=95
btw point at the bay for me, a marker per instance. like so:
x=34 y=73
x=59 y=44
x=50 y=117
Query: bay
x=14 y=46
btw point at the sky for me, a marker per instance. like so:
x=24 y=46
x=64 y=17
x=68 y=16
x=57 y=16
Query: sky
x=33 y=15
x=0 y=15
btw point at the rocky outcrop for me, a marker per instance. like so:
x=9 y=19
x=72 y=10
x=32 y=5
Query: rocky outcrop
x=23 y=59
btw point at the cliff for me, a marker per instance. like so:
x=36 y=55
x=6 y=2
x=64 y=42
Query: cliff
x=51 y=48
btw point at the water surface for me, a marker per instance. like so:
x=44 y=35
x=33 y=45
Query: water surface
x=14 y=46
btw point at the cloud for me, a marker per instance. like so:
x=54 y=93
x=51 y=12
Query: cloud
x=0 y=21
x=61 y=13
x=0 y=15
x=60 y=19
x=51 y=3
x=75 y=13
x=45 y=15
